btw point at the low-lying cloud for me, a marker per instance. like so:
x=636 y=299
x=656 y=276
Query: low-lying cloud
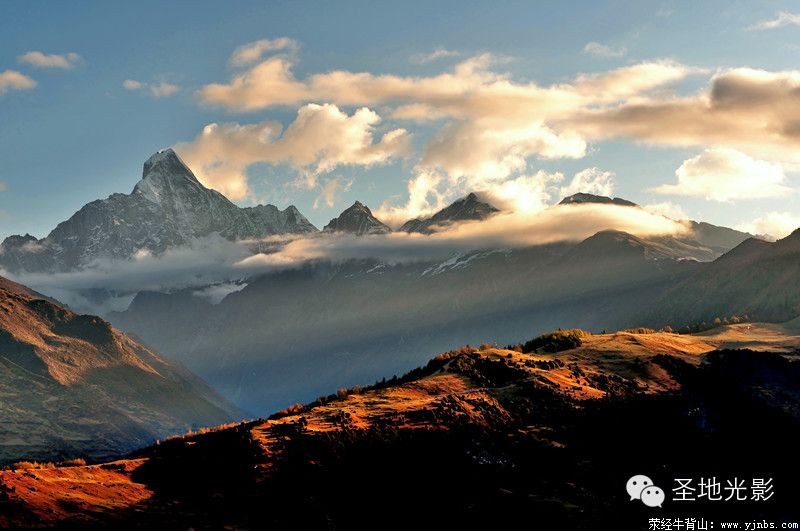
x=213 y=267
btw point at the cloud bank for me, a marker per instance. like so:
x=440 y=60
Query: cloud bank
x=214 y=266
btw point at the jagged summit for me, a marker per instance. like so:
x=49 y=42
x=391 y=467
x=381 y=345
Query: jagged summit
x=166 y=162
x=583 y=197
x=358 y=220
x=464 y=209
x=165 y=176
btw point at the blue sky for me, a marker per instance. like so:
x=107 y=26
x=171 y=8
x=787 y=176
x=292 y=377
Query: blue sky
x=80 y=135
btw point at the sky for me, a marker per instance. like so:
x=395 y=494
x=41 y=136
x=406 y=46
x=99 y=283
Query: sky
x=690 y=109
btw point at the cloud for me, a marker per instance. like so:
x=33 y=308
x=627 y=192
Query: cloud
x=592 y=181
x=602 y=50
x=331 y=188
x=252 y=52
x=161 y=89
x=724 y=174
x=774 y=224
x=319 y=140
x=502 y=231
x=667 y=209
x=524 y=194
x=491 y=126
x=490 y=129
x=471 y=88
x=783 y=18
x=203 y=262
x=41 y=60
x=213 y=266
x=13 y=80
x=425 y=58
x=750 y=110
x=3 y=186
x=132 y=84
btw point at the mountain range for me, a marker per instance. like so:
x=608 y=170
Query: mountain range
x=288 y=335
x=73 y=386
x=167 y=208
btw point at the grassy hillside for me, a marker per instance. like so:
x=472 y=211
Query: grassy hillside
x=477 y=438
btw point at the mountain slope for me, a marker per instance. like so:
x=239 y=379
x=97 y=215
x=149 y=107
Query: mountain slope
x=479 y=438
x=465 y=209
x=72 y=385
x=756 y=278
x=290 y=335
x=358 y=220
x=168 y=207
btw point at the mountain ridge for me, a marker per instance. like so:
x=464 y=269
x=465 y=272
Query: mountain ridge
x=73 y=385
x=357 y=219
x=168 y=207
x=468 y=208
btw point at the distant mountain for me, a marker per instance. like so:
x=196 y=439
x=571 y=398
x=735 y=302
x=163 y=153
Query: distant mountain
x=702 y=241
x=168 y=207
x=292 y=335
x=358 y=220
x=73 y=386
x=465 y=209
x=757 y=278
x=583 y=197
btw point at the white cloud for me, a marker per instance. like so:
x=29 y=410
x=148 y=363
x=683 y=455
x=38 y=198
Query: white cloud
x=502 y=231
x=321 y=138
x=775 y=224
x=524 y=194
x=424 y=198
x=3 y=186
x=602 y=50
x=252 y=52
x=161 y=89
x=753 y=111
x=331 y=189
x=667 y=209
x=13 y=80
x=222 y=264
x=425 y=58
x=724 y=174
x=592 y=181
x=490 y=128
x=132 y=84
x=783 y=18
x=41 y=60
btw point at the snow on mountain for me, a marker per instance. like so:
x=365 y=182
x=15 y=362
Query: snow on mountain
x=168 y=207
